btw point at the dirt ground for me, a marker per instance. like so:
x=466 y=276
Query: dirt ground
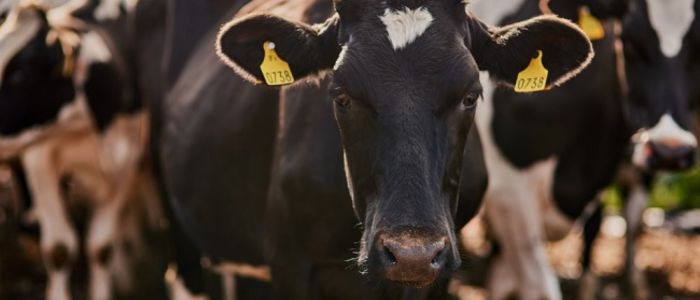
x=669 y=261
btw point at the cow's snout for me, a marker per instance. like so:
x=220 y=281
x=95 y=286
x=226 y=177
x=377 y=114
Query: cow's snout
x=671 y=156
x=666 y=146
x=412 y=260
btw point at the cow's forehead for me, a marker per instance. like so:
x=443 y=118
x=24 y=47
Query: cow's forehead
x=671 y=19
x=401 y=24
x=404 y=26
x=21 y=26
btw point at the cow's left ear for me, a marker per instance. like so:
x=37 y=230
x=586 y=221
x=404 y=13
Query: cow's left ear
x=504 y=52
x=307 y=49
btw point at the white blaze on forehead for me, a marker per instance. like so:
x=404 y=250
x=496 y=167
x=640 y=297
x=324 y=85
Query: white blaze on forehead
x=15 y=33
x=671 y=19
x=668 y=130
x=405 y=26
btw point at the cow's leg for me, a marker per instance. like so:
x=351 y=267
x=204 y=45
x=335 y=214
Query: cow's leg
x=59 y=241
x=634 y=208
x=102 y=231
x=502 y=283
x=588 y=284
x=514 y=214
x=103 y=234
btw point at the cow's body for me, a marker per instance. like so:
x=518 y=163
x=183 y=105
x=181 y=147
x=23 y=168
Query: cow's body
x=550 y=154
x=219 y=128
x=573 y=148
x=82 y=125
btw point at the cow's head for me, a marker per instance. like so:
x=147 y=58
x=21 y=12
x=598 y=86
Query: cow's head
x=661 y=41
x=405 y=84
x=33 y=86
x=49 y=60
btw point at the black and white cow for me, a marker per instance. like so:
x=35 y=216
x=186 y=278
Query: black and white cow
x=66 y=110
x=405 y=86
x=549 y=154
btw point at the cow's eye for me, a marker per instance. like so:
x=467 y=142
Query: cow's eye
x=470 y=99
x=343 y=101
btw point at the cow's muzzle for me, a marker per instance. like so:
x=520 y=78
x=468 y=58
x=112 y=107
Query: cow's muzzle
x=411 y=259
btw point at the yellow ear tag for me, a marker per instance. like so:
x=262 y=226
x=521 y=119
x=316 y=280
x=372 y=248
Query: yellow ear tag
x=534 y=77
x=275 y=69
x=590 y=24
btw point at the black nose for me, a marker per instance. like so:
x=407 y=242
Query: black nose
x=668 y=156
x=412 y=260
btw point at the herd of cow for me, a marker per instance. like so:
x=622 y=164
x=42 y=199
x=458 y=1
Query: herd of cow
x=403 y=116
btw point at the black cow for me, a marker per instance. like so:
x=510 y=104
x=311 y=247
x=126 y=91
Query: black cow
x=543 y=176
x=403 y=162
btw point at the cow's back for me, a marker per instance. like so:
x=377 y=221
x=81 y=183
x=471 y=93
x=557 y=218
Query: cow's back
x=217 y=145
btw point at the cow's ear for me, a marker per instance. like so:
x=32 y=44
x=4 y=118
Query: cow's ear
x=504 y=52
x=307 y=49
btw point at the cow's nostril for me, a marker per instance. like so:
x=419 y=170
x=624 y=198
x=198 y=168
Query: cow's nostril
x=389 y=256
x=438 y=259
x=412 y=260
x=671 y=157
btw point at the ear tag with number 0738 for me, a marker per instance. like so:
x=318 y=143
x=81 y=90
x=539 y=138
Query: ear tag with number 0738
x=534 y=77
x=590 y=25
x=275 y=69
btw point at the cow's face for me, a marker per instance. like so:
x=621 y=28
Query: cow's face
x=33 y=87
x=662 y=55
x=405 y=84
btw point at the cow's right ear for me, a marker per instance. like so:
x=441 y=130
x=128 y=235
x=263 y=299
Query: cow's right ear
x=505 y=52
x=307 y=49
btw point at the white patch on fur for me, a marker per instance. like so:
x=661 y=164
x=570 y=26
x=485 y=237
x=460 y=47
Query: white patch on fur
x=405 y=26
x=7 y=5
x=341 y=57
x=100 y=282
x=668 y=130
x=94 y=48
x=639 y=155
x=108 y=10
x=665 y=131
x=20 y=27
x=492 y=12
x=57 y=288
x=178 y=290
x=671 y=19
x=43 y=176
